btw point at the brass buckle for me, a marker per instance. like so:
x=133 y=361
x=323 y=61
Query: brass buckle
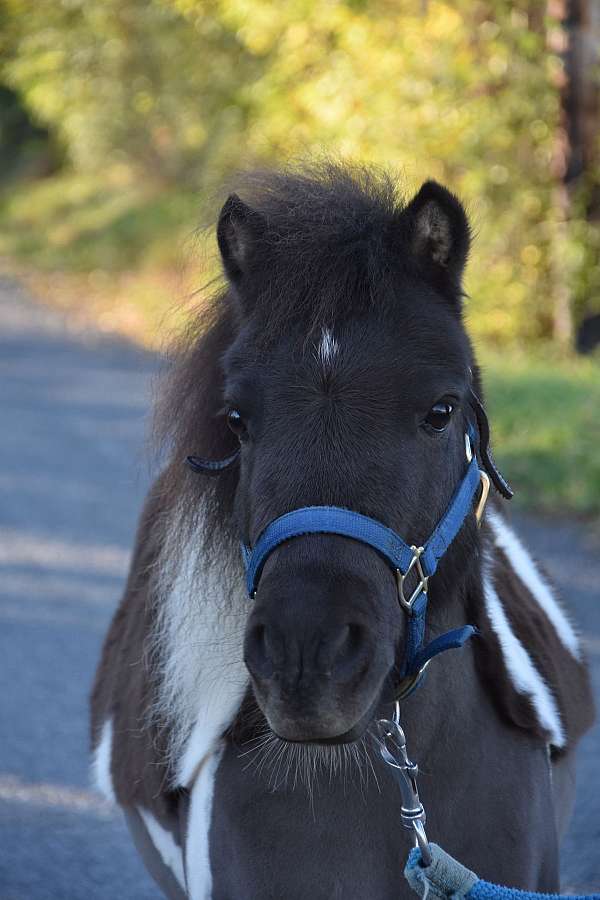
x=421 y=586
x=485 y=489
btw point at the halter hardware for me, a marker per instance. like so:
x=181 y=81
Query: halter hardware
x=484 y=479
x=468 y=447
x=485 y=490
x=408 y=685
x=421 y=587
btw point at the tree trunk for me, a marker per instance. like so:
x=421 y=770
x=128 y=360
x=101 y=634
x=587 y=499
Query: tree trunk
x=581 y=122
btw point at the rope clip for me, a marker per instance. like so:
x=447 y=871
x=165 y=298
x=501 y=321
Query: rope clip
x=392 y=747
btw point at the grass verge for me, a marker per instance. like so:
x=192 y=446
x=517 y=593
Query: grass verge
x=545 y=417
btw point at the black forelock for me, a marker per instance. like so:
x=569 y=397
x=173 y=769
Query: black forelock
x=330 y=247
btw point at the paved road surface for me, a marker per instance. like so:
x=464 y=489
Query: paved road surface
x=73 y=411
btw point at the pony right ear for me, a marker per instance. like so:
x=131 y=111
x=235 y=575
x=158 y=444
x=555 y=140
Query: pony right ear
x=238 y=230
x=439 y=233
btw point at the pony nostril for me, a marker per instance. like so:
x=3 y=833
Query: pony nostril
x=344 y=650
x=356 y=635
x=258 y=652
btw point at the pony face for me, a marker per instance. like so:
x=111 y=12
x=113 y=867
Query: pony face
x=354 y=419
x=346 y=384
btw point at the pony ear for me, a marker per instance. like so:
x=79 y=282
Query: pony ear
x=439 y=233
x=239 y=228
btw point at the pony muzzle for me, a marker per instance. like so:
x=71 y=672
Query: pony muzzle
x=320 y=644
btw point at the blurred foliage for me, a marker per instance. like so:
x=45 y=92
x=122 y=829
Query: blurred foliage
x=155 y=102
x=181 y=92
x=25 y=149
x=583 y=248
x=127 y=81
x=83 y=223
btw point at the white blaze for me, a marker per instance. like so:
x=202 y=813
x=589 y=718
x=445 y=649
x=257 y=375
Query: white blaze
x=328 y=348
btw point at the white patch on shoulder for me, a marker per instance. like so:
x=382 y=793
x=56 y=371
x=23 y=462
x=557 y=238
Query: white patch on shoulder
x=163 y=840
x=526 y=569
x=101 y=762
x=199 y=876
x=201 y=618
x=222 y=680
x=328 y=348
x=525 y=677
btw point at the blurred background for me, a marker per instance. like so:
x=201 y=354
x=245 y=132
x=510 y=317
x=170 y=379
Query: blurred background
x=120 y=123
x=120 y=120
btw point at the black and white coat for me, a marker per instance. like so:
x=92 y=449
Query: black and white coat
x=194 y=791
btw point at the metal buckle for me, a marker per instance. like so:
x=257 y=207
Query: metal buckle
x=421 y=587
x=485 y=489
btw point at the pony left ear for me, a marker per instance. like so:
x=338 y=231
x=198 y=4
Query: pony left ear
x=239 y=228
x=439 y=232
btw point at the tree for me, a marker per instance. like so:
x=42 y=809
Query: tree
x=182 y=92
x=581 y=170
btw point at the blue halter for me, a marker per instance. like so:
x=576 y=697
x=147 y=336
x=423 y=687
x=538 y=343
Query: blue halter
x=402 y=558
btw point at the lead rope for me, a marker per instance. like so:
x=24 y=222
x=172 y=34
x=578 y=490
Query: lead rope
x=429 y=869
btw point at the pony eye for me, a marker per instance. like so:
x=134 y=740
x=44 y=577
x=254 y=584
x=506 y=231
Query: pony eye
x=237 y=424
x=439 y=415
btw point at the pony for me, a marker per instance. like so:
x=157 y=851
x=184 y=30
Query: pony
x=332 y=369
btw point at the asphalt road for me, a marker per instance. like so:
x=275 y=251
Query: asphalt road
x=73 y=471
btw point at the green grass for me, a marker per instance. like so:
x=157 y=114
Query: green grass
x=113 y=250
x=545 y=415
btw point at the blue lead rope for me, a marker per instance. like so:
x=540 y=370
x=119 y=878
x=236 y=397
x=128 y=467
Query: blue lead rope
x=447 y=879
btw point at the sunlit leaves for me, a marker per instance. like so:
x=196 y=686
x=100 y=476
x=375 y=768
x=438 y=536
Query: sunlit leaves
x=185 y=91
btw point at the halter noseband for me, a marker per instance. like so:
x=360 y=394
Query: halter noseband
x=400 y=556
x=403 y=558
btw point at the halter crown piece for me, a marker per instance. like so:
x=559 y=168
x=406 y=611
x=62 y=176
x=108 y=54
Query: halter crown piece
x=403 y=558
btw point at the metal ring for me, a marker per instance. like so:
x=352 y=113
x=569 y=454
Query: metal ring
x=410 y=684
x=423 y=579
x=468 y=448
x=485 y=489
